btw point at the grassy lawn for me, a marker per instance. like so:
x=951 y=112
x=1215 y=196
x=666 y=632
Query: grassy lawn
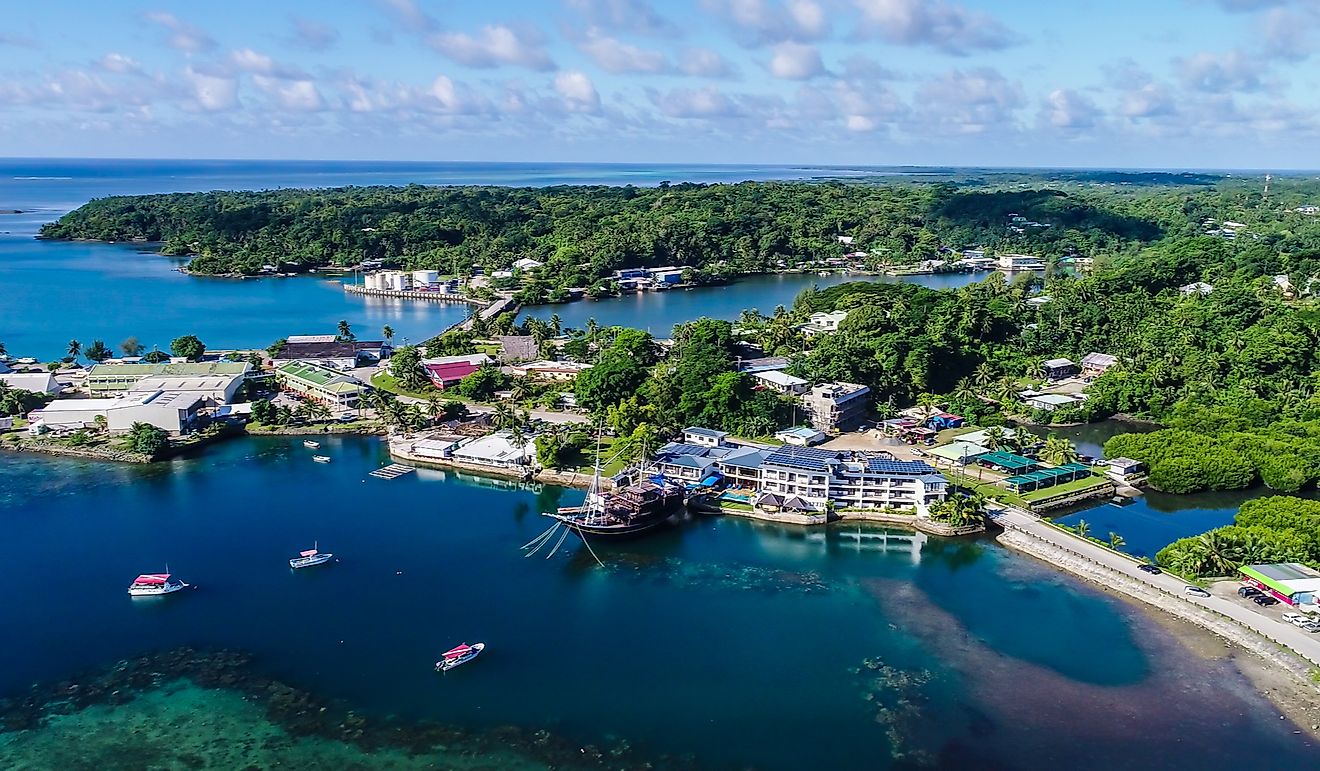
x=987 y=488
x=1076 y=485
x=386 y=382
x=606 y=451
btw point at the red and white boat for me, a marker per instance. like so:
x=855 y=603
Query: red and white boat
x=310 y=557
x=155 y=584
x=458 y=656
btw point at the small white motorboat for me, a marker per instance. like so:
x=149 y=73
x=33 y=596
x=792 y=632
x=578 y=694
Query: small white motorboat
x=309 y=444
x=310 y=557
x=155 y=585
x=321 y=458
x=459 y=656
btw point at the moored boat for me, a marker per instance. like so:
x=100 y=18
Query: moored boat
x=155 y=585
x=321 y=458
x=311 y=445
x=625 y=512
x=310 y=557
x=459 y=656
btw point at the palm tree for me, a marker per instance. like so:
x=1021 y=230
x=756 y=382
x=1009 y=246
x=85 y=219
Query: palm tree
x=929 y=403
x=1058 y=451
x=75 y=348
x=1082 y=527
x=433 y=408
x=1006 y=390
x=345 y=331
x=316 y=411
x=504 y=416
x=994 y=438
x=1022 y=438
x=387 y=332
x=1116 y=541
x=984 y=375
x=556 y=324
x=965 y=391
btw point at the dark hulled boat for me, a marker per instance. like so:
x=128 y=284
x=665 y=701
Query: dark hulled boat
x=624 y=512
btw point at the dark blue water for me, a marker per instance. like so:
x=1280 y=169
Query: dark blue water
x=740 y=643
x=55 y=292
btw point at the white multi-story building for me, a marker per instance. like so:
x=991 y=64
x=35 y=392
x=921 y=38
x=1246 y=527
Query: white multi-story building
x=821 y=323
x=836 y=405
x=851 y=479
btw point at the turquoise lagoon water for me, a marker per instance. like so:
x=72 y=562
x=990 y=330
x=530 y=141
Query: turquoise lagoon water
x=735 y=643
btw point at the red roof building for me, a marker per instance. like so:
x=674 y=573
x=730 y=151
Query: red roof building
x=445 y=375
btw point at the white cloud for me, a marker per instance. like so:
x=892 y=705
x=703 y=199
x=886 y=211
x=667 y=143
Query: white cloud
x=297 y=95
x=969 y=101
x=1149 y=100
x=636 y=16
x=494 y=46
x=705 y=103
x=1064 y=108
x=796 y=61
x=408 y=15
x=765 y=21
x=615 y=56
x=946 y=26
x=180 y=34
x=705 y=63
x=577 y=92
x=1221 y=73
x=212 y=92
x=118 y=63
x=312 y=34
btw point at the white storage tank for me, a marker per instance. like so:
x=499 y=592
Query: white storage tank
x=425 y=277
x=371 y=281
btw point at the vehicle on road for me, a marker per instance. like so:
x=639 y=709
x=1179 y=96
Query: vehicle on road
x=1152 y=569
x=1195 y=591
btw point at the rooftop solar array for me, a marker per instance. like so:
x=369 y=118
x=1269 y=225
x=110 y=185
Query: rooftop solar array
x=806 y=458
x=913 y=467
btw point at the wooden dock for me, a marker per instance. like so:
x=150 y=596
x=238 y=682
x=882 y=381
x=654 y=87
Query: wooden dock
x=392 y=471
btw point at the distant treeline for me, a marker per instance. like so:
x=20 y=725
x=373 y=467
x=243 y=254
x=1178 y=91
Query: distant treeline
x=585 y=232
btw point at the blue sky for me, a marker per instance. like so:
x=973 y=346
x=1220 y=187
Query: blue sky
x=1159 y=83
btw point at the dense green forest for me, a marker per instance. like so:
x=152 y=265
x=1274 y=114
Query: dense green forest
x=583 y=233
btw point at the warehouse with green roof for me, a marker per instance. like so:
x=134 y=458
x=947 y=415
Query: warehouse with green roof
x=1289 y=582
x=325 y=385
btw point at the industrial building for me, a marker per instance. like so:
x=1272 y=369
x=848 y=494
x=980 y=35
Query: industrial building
x=332 y=352
x=39 y=382
x=173 y=411
x=108 y=380
x=321 y=384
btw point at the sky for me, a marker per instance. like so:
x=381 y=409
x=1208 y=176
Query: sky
x=1080 y=83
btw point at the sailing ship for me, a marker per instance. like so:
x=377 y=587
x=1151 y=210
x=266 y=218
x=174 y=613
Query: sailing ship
x=310 y=557
x=623 y=512
x=155 y=585
x=459 y=656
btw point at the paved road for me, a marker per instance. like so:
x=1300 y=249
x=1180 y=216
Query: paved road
x=1305 y=644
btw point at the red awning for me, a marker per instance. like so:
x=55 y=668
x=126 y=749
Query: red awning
x=459 y=651
x=308 y=553
x=152 y=578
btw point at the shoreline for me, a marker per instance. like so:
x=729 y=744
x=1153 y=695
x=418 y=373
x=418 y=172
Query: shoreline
x=1303 y=699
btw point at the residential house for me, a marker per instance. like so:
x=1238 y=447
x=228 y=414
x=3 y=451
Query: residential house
x=106 y=380
x=1049 y=402
x=705 y=437
x=527 y=263
x=497 y=450
x=39 y=382
x=835 y=406
x=1284 y=285
x=823 y=323
x=780 y=381
x=447 y=371
x=322 y=384
x=764 y=364
x=802 y=436
x=851 y=479
x=1059 y=369
x=1124 y=469
x=550 y=370
x=1096 y=364
x=845 y=240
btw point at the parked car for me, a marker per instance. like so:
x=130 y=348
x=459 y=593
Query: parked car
x=1264 y=601
x=1248 y=591
x=1296 y=619
x=1152 y=569
x=1195 y=591
x=1311 y=626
